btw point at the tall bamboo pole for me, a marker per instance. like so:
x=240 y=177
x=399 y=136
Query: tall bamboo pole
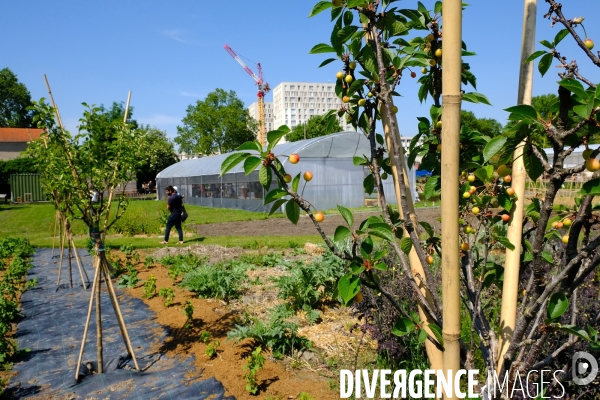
x=510 y=289
x=433 y=353
x=451 y=100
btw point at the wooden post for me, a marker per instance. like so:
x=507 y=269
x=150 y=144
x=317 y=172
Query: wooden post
x=99 y=347
x=62 y=249
x=115 y=304
x=89 y=315
x=451 y=101
x=82 y=271
x=510 y=288
x=56 y=224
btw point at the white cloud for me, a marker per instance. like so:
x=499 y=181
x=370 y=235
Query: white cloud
x=175 y=34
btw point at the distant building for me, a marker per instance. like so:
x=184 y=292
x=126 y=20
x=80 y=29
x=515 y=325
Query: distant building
x=269 y=116
x=14 y=141
x=295 y=103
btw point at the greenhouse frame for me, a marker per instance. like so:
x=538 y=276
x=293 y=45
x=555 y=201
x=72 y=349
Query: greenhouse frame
x=336 y=180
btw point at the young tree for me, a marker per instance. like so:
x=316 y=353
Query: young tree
x=157 y=153
x=487 y=126
x=560 y=252
x=14 y=100
x=217 y=124
x=319 y=125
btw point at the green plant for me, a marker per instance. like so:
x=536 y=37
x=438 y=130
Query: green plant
x=148 y=261
x=222 y=280
x=205 y=337
x=150 y=287
x=180 y=264
x=211 y=349
x=168 y=294
x=130 y=279
x=278 y=333
x=305 y=396
x=254 y=364
x=293 y=245
x=188 y=311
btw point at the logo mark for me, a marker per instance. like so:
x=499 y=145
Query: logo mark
x=580 y=367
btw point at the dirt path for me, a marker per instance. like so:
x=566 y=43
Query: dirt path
x=283 y=227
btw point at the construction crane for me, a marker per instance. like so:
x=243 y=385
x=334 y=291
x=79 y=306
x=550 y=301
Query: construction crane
x=263 y=88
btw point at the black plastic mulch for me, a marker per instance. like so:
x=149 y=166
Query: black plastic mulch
x=52 y=328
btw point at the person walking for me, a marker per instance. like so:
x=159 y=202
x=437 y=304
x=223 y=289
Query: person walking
x=174 y=204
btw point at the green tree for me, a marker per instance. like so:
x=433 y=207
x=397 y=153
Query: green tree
x=20 y=165
x=14 y=100
x=487 y=126
x=217 y=124
x=116 y=113
x=157 y=153
x=316 y=126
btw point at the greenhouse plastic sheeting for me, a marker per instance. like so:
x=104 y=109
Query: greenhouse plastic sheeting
x=336 y=180
x=52 y=329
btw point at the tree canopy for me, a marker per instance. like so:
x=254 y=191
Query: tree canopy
x=316 y=126
x=157 y=153
x=14 y=100
x=487 y=126
x=217 y=124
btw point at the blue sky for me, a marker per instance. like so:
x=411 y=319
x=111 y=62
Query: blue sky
x=170 y=54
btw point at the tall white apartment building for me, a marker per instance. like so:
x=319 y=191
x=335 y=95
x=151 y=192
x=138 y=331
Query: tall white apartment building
x=269 y=116
x=295 y=102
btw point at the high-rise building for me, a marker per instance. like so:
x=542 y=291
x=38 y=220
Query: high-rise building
x=295 y=103
x=269 y=116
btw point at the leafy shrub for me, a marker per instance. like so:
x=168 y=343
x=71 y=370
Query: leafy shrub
x=150 y=287
x=168 y=294
x=211 y=349
x=254 y=364
x=221 y=281
x=180 y=264
x=307 y=284
x=278 y=333
x=188 y=311
x=205 y=337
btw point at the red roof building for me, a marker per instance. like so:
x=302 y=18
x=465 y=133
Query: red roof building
x=13 y=141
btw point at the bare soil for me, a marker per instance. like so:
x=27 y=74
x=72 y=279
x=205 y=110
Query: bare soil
x=283 y=227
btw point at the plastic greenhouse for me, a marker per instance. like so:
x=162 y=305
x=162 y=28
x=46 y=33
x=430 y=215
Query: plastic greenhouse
x=336 y=180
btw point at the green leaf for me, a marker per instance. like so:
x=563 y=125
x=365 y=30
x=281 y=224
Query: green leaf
x=347 y=215
x=292 y=210
x=398 y=28
x=251 y=164
x=360 y=160
x=576 y=331
x=545 y=63
x=277 y=205
x=422 y=336
x=406 y=245
x=591 y=187
x=431 y=188
x=319 y=7
x=366 y=246
x=341 y=233
x=574 y=86
x=505 y=201
x=437 y=332
x=493 y=147
x=533 y=165
x=348 y=17
x=484 y=173
x=475 y=97
x=382 y=230
x=427 y=228
x=295 y=183
x=547 y=257
x=274 y=136
x=546 y=44
x=321 y=48
x=403 y=326
x=344 y=34
x=523 y=111
x=505 y=242
x=557 y=305
x=369 y=184
x=251 y=146
x=265 y=177
x=534 y=56
x=233 y=160
x=560 y=36
x=328 y=61
x=348 y=287
x=356 y=3
x=274 y=195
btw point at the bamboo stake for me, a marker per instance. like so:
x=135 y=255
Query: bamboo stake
x=510 y=289
x=56 y=223
x=115 y=304
x=80 y=265
x=433 y=353
x=89 y=315
x=69 y=255
x=451 y=101
x=62 y=249
x=99 y=347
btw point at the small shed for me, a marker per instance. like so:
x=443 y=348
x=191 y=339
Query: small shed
x=336 y=180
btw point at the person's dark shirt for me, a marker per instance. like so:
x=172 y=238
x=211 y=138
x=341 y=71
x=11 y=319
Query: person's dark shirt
x=175 y=202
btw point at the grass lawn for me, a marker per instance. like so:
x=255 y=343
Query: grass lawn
x=36 y=222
